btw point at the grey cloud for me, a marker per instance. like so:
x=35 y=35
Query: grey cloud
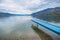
x=0 y=1
x=28 y=5
x=51 y=1
x=49 y=4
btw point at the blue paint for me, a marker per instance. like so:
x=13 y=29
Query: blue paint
x=51 y=27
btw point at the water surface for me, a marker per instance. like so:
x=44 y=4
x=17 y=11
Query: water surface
x=16 y=26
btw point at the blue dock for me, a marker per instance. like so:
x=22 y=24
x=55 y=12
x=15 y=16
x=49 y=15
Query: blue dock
x=50 y=27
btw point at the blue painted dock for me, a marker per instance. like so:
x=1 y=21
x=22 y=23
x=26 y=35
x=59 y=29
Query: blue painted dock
x=51 y=27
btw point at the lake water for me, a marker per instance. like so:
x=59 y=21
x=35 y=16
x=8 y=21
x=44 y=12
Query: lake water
x=16 y=26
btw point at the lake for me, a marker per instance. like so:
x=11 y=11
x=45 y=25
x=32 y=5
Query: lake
x=17 y=26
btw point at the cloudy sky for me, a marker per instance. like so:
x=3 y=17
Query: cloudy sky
x=27 y=6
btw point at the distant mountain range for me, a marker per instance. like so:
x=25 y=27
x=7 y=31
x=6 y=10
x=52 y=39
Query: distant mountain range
x=50 y=14
x=4 y=14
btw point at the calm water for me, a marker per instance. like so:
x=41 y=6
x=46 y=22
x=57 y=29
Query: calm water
x=16 y=26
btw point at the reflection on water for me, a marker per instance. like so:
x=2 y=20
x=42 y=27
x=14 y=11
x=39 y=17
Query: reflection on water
x=54 y=21
x=51 y=20
x=16 y=26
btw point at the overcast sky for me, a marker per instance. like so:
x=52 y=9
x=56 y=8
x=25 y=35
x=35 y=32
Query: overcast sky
x=27 y=6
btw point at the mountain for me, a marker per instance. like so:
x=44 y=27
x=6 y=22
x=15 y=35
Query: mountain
x=50 y=14
x=4 y=14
